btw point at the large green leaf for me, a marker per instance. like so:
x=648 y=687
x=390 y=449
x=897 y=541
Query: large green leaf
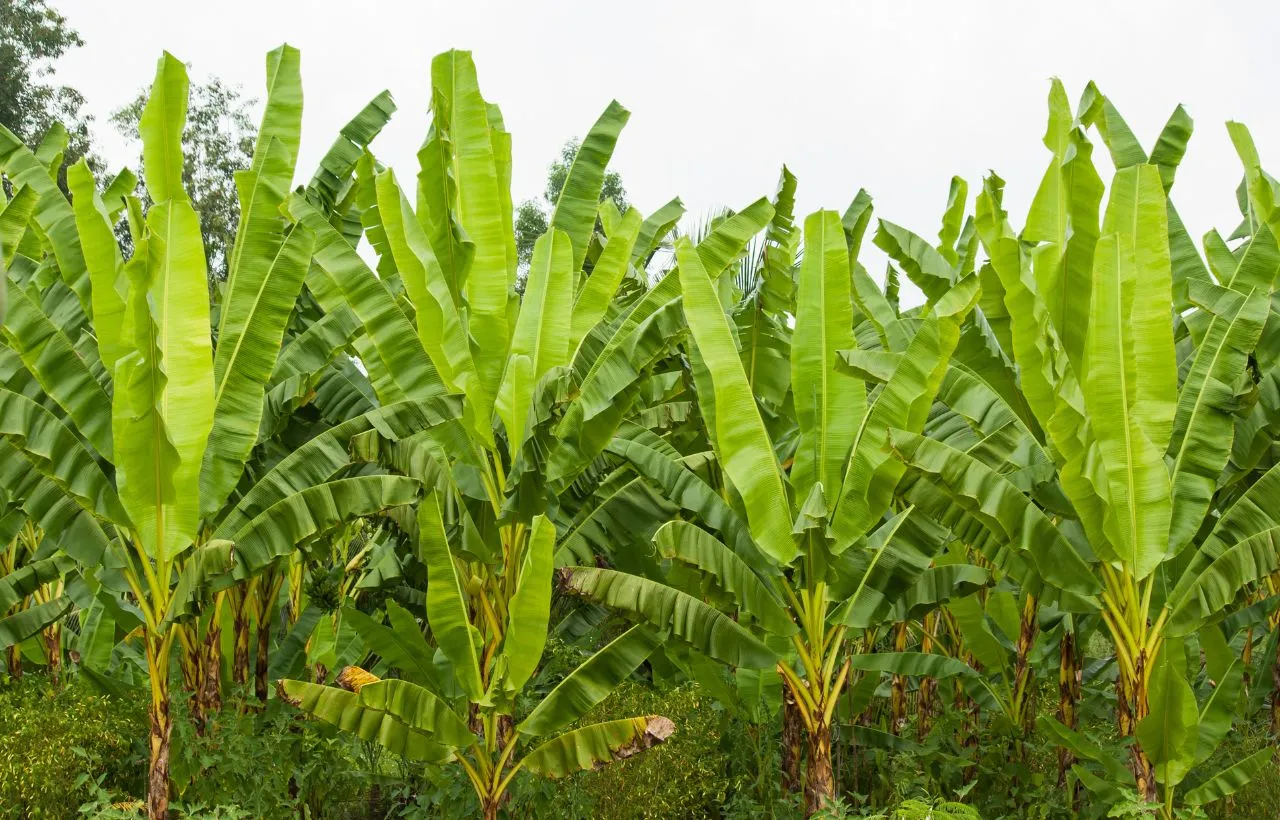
x=1220 y=710
x=315 y=347
x=418 y=709
x=102 y=259
x=912 y=664
x=1049 y=383
x=654 y=229
x=591 y=682
x=477 y=145
x=685 y=488
x=1208 y=404
x=345 y=710
x=263 y=186
x=446 y=604
x=56 y=451
x=27 y=578
x=330 y=178
x=52 y=507
x=289 y=655
x=741 y=439
x=1063 y=218
x=51 y=213
x=16 y=628
x=97 y=638
x=978 y=637
x=1098 y=110
x=1025 y=532
x=321 y=458
x=540 y=341
x=299 y=517
x=15 y=218
x=924 y=266
x=1130 y=389
x=689 y=544
x=904 y=401
x=828 y=406
x=709 y=631
x=1205 y=595
x=179 y=364
x=64 y=375
x=202 y=565
x=1169 y=734
x=393 y=353
x=1229 y=780
x=597 y=744
x=401 y=644
x=575 y=210
x=253 y=327
x=593 y=298
x=877 y=577
x=530 y=608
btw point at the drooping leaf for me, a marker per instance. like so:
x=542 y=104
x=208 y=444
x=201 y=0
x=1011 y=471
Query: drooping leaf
x=709 y=631
x=597 y=744
x=591 y=682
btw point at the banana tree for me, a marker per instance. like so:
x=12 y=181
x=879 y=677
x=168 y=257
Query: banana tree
x=1138 y=451
x=140 y=424
x=787 y=561
x=544 y=377
x=463 y=710
x=32 y=599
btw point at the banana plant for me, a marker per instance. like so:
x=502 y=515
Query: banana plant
x=787 y=561
x=463 y=710
x=32 y=587
x=1139 y=452
x=545 y=377
x=1181 y=732
x=140 y=424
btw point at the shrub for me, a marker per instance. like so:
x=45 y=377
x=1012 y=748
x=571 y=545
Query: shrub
x=684 y=777
x=52 y=737
x=268 y=764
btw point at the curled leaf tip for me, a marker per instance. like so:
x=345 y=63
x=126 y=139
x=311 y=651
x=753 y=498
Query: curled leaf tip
x=353 y=678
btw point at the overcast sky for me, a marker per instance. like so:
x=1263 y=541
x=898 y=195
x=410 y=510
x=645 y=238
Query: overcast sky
x=895 y=97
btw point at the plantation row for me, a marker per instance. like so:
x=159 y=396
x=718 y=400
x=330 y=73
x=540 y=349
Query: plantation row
x=386 y=476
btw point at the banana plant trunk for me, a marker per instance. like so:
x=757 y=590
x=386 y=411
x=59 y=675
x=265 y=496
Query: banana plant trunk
x=53 y=650
x=819 y=781
x=261 y=662
x=928 y=686
x=815 y=702
x=209 y=693
x=792 y=742
x=1131 y=707
x=1069 y=683
x=268 y=592
x=191 y=665
x=898 y=691
x=240 y=626
x=971 y=718
x=1246 y=660
x=13 y=660
x=1024 y=692
x=1275 y=694
x=161 y=726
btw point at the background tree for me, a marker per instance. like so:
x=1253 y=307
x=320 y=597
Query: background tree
x=217 y=141
x=32 y=36
x=531 y=216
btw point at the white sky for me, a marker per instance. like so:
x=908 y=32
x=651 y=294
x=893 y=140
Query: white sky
x=895 y=97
